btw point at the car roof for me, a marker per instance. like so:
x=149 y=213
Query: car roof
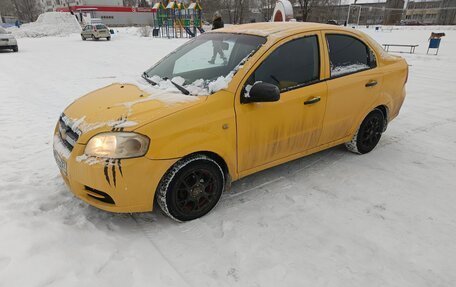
x=278 y=29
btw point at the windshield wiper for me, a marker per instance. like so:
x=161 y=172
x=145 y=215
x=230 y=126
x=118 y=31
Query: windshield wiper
x=144 y=76
x=179 y=87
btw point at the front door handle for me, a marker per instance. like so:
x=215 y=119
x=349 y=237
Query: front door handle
x=371 y=83
x=312 y=101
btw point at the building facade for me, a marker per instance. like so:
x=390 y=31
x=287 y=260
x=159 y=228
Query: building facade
x=436 y=12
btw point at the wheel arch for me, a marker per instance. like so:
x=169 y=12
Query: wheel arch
x=219 y=160
x=385 y=111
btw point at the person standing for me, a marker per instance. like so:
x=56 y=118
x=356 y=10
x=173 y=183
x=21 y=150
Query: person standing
x=217 y=23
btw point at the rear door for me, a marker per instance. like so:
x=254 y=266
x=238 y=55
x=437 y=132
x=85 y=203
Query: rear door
x=354 y=83
x=269 y=132
x=87 y=32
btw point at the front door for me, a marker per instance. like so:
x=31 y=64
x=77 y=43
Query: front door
x=268 y=132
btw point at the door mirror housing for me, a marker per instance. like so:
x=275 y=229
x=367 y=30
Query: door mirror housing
x=261 y=92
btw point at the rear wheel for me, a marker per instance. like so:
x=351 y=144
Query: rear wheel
x=191 y=188
x=96 y=38
x=108 y=38
x=15 y=48
x=368 y=134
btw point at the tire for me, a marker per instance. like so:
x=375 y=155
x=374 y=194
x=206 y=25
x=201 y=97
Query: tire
x=96 y=38
x=16 y=49
x=83 y=38
x=108 y=38
x=368 y=134
x=191 y=188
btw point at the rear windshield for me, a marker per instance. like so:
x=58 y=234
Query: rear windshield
x=101 y=27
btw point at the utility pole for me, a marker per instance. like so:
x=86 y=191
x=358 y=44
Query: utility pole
x=359 y=14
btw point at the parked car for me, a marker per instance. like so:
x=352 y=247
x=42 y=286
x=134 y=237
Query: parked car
x=95 y=32
x=7 y=40
x=409 y=22
x=332 y=22
x=307 y=88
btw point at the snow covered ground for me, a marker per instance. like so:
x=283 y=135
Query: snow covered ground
x=387 y=218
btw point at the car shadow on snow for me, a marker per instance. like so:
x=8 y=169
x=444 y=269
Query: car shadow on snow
x=244 y=190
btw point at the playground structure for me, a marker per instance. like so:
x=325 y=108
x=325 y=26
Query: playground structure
x=176 y=20
x=283 y=12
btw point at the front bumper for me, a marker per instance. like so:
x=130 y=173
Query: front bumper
x=7 y=44
x=126 y=185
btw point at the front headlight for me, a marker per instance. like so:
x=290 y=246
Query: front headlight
x=117 y=145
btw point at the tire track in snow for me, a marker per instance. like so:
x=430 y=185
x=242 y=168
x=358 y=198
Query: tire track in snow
x=149 y=236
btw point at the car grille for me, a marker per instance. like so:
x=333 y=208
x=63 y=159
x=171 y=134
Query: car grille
x=67 y=134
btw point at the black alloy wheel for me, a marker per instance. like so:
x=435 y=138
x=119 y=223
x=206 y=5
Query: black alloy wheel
x=370 y=132
x=191 y=188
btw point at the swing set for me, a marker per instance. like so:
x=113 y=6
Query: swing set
x=176 y=20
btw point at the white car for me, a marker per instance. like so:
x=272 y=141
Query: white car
x=7 y=40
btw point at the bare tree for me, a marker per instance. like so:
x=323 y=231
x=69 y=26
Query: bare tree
x=7 y=8
x=306 y=6
x=27 y=10
x=266 y=8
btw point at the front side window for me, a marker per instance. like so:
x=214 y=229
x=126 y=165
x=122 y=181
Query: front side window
x=295 y=63
x=348 y=55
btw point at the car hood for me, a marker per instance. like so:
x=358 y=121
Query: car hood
x=123 y=107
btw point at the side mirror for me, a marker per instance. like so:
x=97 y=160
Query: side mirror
x=262 y=92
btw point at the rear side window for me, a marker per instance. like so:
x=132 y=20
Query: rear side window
x=101 y=27
x=348 y=55
x=293 y=64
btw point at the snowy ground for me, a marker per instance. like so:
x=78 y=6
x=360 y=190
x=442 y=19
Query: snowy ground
x=331 y=219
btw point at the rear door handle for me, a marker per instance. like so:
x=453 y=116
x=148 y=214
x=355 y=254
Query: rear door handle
x=371 y=83
x=312 y=101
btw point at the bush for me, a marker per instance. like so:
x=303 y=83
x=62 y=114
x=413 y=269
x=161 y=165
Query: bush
x=145 y=31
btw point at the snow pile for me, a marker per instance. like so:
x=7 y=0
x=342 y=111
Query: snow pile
x=48 y=24
x=341 y=70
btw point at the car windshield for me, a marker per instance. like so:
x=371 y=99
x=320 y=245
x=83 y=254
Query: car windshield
x=205 y=59
x=2 y=31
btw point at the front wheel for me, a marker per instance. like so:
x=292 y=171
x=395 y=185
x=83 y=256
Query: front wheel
x=191 y=188
x=368 y=134
x=15 y=48
x=108 y=38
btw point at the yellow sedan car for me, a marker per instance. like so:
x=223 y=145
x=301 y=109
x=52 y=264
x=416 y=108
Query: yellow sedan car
x=225 y=105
